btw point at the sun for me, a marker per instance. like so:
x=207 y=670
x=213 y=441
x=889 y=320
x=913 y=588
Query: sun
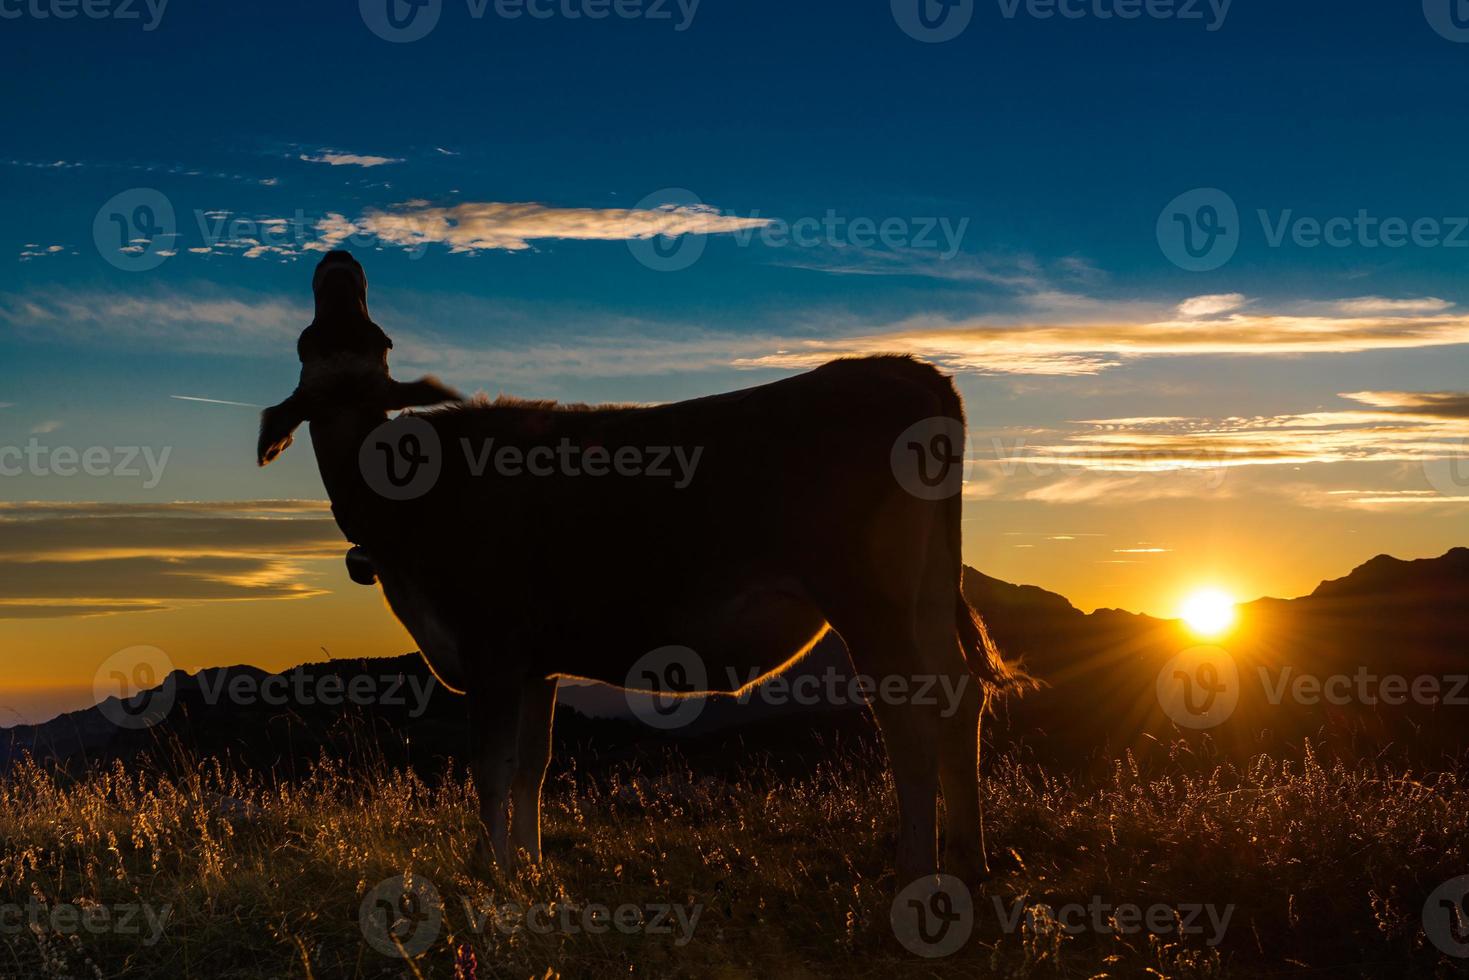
x=1208 y=612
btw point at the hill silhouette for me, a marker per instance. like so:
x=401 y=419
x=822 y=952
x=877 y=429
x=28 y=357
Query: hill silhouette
x=1386 y=618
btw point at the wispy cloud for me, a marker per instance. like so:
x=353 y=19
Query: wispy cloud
x=471 y=226
x=1201 y=306
x=337 y=158
x=1086 y=348
x=195 y=322
x=1423 y=404
x=46 y=427
x=1370 y=305
x=62 y=560
x=1132 y=459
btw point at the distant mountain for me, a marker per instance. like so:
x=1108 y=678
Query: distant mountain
x=1101 y=671
x=1426 y=580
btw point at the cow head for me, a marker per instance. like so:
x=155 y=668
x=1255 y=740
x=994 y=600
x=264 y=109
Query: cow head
x=344 y=361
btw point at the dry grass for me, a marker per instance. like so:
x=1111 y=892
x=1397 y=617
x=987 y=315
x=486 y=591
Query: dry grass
x=1327 y=868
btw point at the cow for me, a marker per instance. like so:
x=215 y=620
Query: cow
x=522 y=542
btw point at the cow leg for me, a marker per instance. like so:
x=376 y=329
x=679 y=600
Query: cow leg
x=533 y=755
x=910 y=733
x=964 y=854
x=960 y=698
x=494 y=722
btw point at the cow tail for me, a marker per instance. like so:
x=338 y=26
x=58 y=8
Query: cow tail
x=981 y=653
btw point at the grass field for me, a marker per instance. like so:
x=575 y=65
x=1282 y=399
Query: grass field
x=1278 y=869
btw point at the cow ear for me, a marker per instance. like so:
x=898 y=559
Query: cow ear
x=277 y=429
x=418 y=394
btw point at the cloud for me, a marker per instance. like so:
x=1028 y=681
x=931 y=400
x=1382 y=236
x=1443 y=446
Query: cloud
x=45 y=428
x=471 y=226
x=1378 y=499
x=84 y=559
x=338 y=159
x=1092 y=347
x=1422 y=404
x=1369 y=305
x=1202 y=306
x=165 y=319
x=1419 y=439
x=1054 y=333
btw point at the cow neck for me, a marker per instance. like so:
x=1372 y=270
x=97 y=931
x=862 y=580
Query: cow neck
x=337 y=435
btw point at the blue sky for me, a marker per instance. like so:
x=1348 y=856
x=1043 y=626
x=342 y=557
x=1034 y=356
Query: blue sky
x=499 y=176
